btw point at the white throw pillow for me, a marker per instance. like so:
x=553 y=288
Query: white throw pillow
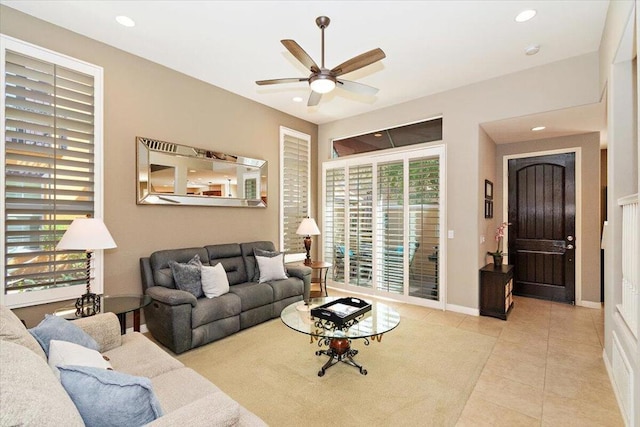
x=214 y=281
x=271 y=268
x=67 y=353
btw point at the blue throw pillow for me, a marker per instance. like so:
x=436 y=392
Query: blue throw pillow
x=110 y=398
x=57 y=328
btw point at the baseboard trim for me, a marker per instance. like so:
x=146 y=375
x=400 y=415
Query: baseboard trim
x=462 y=309
x=590 y=304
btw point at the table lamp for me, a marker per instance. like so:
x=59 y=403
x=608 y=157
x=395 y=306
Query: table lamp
x=87 y=234
x=308 y=228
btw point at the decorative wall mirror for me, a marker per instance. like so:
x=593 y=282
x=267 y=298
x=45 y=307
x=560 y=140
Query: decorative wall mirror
x=174 y=174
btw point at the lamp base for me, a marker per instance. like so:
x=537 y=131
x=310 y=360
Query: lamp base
x=88 y=305
x=307 y=247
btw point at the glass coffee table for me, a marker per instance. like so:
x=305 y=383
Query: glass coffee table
x=368 y=327
x=118 y=304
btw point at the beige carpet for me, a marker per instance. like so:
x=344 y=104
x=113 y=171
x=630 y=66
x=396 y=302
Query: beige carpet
x=419 y=374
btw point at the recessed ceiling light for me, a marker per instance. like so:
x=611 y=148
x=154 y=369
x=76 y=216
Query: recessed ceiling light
x=525 y=15
x=377 y=135
x=297 y=99
x=538 y=128
x=126 y=21
x=532 y=50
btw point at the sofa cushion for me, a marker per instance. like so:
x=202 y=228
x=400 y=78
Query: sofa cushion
x=283 y=289
x=214 y=280
x=225 y=413
x=110 y=398
x=209 y=310
x=159 y=262
x=30 y=393
x=253 y=294
x=56 y=328
x=13 y=330
x=165 y=387
x=270 y=265
x=67 y=353
x=140 y=356
x=230 y=256
x=253 y=273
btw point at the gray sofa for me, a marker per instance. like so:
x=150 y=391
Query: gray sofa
x=180 y=321
x=31 y=394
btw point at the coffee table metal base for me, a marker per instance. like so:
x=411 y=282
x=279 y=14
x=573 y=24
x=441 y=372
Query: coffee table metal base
x=339 y=351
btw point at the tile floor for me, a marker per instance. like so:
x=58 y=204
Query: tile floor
x=546 y=369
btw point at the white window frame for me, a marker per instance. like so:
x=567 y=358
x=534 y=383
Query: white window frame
x=30 y=298
x=284 y=131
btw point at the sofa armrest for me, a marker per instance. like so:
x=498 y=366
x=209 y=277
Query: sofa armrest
x=215 y=409
x=104 y=328
x=304 y=273
x=171 y=296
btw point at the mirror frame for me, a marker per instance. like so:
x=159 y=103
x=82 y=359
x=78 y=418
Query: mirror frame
x=146 y=147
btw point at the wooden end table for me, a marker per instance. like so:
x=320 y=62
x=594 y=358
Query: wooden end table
x=321 y=279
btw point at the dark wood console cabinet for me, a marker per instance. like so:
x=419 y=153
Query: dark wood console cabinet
x=496 y=287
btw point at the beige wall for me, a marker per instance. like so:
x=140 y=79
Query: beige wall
x=487 y=226
x=590 y=196
x=563 y=84
x=146 y=99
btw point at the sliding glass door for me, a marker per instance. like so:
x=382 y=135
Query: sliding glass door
x=383 y=218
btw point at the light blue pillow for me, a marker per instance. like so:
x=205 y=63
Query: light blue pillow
x=110 y=398
x=57 y=328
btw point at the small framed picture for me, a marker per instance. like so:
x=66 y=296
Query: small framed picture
x=488 y=208
x=488 y=189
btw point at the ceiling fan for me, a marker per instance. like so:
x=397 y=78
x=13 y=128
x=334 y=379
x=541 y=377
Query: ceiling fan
x=322 y=80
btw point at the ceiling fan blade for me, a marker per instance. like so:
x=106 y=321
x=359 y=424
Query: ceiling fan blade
x=358 y=62
x=314 y=99
x=278 y=81
x=358 y=88
x=300 y=55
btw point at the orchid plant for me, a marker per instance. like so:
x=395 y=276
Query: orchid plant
x=499 y=236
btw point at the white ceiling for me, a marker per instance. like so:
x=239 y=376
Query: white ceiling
x=431 y=46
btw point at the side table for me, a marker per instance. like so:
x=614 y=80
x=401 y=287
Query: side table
x=321 y=279
x=118 y=304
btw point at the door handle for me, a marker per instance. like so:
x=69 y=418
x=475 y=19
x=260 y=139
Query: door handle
x=570 y=238
x=569 y=246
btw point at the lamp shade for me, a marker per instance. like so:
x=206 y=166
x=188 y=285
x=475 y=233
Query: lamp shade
x=308 y=227
x=86 y=234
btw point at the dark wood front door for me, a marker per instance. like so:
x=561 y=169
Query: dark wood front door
x=542 y=232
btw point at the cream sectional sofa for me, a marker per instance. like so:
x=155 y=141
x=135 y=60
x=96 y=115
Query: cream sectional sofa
x=32 y=395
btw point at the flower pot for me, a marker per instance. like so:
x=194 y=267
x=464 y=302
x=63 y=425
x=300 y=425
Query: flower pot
x=497 y=260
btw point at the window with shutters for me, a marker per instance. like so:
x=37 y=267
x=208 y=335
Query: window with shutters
x=295 y=174
x=51 y=157
x=383 y=218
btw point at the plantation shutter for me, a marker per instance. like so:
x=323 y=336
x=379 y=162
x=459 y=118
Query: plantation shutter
x=295 y=190
x=48 y=170
x=424 y=226
x=361 y=224
x=334 y=227
x=390 y=230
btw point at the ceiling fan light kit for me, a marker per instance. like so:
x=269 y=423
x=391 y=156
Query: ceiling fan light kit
x=321 y=83
x=323 y=80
